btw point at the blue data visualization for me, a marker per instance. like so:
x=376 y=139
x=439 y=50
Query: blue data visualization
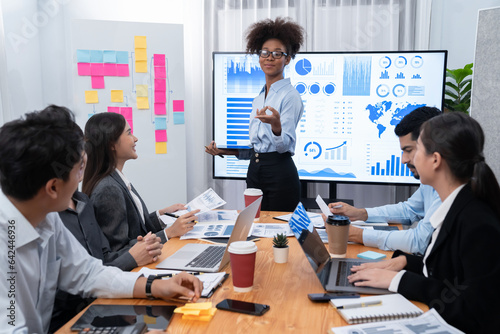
x=357 y=75
x=244 y=77
x=238 y=120
x=391 y=167
x=303 y=67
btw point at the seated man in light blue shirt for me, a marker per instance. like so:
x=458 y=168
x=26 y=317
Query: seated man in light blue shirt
x=419 y=207
x=41 y=163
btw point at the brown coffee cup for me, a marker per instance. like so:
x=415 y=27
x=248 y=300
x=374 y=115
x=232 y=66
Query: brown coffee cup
x=337 y=228
x=242 y=255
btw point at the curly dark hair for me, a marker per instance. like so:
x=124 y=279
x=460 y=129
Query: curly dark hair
x=288 y=32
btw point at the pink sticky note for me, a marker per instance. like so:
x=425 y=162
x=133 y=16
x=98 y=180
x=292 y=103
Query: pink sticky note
x=126 y=112
x=97 y=82
x=178 y=105
x=96 y=69
x=122 y=70
x=84 y=69
x=161 y=135
x=109 y=70
x=114 y=109
x=160 y=85
x=160 y=97
x=160 y=109
x=159 y=60
x=160 y=72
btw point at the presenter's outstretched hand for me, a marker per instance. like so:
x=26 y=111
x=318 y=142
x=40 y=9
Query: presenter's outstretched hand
x=147 y=249
x=344 y=209
x=213 y=150
x=182 y=225
x=273 y=119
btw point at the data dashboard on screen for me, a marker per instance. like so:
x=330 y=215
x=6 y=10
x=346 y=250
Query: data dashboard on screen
x=352 y=103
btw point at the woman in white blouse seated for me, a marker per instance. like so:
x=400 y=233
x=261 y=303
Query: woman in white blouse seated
x=458 y=275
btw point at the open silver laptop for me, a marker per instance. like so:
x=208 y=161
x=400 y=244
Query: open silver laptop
x=332 y=272
x=211 y=258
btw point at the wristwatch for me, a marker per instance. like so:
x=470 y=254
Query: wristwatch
x=149 y=282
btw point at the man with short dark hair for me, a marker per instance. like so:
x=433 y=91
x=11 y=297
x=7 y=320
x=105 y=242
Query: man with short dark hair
x=419 y=207
x=41 y=161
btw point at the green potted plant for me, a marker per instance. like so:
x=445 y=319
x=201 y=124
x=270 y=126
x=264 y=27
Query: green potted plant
x=458 y=89
x=280 y=248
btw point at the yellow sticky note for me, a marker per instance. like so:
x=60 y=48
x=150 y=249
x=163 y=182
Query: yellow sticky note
x=141 y=66
x=198 y=306
x=116 y=95
x=161 y=148
x=140 y=42
x=141 y=54
x=141 y=90
x=149 y=320
x=142 y=102
x=91 y=96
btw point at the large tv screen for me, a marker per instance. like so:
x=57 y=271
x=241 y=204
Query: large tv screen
x=352 y=103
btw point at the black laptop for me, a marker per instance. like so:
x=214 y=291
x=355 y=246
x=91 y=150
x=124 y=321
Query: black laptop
x=332 y=272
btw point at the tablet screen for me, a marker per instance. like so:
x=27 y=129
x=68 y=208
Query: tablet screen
x=155 y=316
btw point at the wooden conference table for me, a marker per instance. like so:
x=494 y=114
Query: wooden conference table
x=282 y=286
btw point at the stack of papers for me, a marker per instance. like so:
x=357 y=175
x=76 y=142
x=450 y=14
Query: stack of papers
x=197 y=311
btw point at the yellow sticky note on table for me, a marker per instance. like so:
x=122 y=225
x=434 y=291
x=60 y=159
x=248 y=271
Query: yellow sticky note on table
x=116 y=95
x=141 y=66
x=140 y=42
x=91 y=96
x=161 y=148
x=141 y=54
x=142 y=102
x=141 y=90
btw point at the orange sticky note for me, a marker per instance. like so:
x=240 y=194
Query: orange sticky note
x=91 y=96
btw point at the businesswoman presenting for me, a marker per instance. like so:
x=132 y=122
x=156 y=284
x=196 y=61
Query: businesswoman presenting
x=119 y=209
x=276 y=112
x=458 y=275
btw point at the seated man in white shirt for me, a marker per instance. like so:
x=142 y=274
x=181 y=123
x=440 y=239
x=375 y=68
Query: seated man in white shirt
x=418 y=208
x=41 y=161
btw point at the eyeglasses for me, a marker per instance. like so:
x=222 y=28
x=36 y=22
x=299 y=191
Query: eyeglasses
x=276 y=54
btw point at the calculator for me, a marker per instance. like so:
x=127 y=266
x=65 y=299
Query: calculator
x=138 y=328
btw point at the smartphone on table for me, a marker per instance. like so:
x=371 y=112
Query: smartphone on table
x=242 y=307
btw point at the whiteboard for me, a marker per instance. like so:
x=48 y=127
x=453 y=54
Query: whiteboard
x=159 y=178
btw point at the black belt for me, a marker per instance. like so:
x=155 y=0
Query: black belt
x=269 y=156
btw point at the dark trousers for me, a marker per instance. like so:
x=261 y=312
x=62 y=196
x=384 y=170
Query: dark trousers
x=276 y=175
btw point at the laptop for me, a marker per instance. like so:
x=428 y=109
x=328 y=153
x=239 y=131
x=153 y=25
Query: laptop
x=332 y=272
x=212 y=258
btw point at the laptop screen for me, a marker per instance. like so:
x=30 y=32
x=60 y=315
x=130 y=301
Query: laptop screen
x=315 y=250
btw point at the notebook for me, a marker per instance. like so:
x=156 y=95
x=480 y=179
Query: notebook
x=332 y=273
x=211 y=258
x=392 y=307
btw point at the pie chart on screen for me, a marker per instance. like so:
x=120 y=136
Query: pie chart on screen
x=303 y=67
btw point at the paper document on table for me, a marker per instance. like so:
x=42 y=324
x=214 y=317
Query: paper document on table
x=363 y=223
x=210 y=280
x=207 y=201
x=222 y=229
x=428 y=323
x=270 y=230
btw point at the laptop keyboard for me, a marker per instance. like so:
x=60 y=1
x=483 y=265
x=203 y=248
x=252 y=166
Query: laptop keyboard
x=209 y=258
x=344 y=270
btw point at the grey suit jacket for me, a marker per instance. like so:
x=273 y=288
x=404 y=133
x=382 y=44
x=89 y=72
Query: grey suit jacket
x=118 y=216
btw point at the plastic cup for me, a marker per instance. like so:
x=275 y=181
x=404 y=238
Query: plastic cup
x=242 y=255
x=251 y=195
x=337 y=228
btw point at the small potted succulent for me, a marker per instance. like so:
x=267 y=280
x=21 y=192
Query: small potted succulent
x=280 y=248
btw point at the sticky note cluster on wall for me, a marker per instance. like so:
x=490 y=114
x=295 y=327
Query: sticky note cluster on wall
x=178 y=108
x=141 y=56
x=126 y=112
x=142 y=96
x=160 y=103
x=100 y=63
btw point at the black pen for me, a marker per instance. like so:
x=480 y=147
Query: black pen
x=220 y=155
x=171 y=275
x=175 y=216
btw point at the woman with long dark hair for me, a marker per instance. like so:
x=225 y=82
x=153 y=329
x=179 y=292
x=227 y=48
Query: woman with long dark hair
x=275 y=114
x=458 y=275
x=119 y=209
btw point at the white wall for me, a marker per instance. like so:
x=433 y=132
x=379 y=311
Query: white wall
x=453 y=28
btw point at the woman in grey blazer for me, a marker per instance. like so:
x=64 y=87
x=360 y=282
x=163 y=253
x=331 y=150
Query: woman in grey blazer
x=119 y=209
